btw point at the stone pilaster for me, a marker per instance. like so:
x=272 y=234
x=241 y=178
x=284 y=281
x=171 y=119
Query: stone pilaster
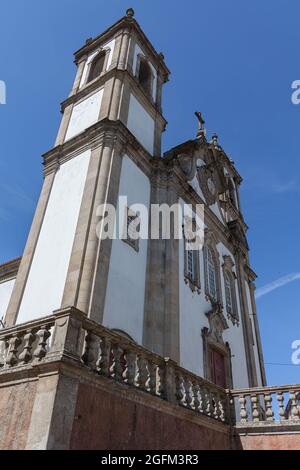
x=91 y=293
x=161 y=316
x=257 y=335
x=247 y=327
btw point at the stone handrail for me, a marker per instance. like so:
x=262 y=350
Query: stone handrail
x=69 y=335
x=25 y=343
x=266 y=405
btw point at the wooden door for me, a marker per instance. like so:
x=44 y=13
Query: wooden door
x=217 y=368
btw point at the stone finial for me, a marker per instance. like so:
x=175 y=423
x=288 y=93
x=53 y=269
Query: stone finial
x=201 y=130
x=214 y=140
x=130 y=12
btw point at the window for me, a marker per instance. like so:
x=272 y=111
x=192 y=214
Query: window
x=211 y=274
x=191 y=263
x=228 y=294
x=132 y=229
x=229 y=288
x=192 y=274
x=96 y=67
x=145 y=76
x=232 y=196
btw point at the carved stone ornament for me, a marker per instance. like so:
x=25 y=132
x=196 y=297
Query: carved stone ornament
x=207 y=184
x=188 y=165
x=217 y=322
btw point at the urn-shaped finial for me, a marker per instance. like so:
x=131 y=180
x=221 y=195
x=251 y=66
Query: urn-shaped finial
x=130 y=12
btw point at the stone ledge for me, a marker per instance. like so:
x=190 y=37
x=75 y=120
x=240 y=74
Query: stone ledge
x=9 y=270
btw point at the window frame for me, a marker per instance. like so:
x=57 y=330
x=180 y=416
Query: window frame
x=229 y=273
x=101 y=52
x=209 y=245
x=191 y=279
x=142 y=58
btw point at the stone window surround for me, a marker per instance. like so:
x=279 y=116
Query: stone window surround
x=141 y=57
x=101 y=50
x=227 y=268
x=211 y=242
x=195 y=282
x=223 y=348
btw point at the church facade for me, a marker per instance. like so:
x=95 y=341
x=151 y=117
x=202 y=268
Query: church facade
x=128 y=337
x=195 y=306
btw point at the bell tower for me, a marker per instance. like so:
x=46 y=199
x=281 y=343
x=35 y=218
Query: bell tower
x=114 y=108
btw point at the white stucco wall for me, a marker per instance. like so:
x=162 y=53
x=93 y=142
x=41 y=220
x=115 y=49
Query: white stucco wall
x=84 y=114
x=45 y=285
x=141 y=124
x=193 y=307
x=234 y=334
x=6 y=289
x=124 y=305
x=137 y=51
x=109 y=45
x=192 y=317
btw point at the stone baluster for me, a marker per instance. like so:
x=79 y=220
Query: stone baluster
x=209 y=404
x=280 y=400
x=26 y=354
x=91 y=350
x=294 y=407
x=103 y=361
x=161 y=386
x=269 y=407
x=196 y=401
x=12 y=356
x=243 y=411
x=222 y=408
x=142 y=372
x=187 y=392
x=215 y=405
x=129 y=372
x=218 y=406
x=43 y=335
x=151 y=382
x=116 y=369
x=255 y=411
x=179 y=393
x=203 y=403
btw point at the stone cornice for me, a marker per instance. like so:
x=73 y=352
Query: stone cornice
x=125 y=23
x=104 y=131
x=85 y=91
x=9 y=270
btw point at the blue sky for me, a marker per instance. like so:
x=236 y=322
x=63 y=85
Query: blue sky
x=232 y=60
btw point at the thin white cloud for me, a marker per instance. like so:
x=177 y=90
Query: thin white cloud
x=282 y=281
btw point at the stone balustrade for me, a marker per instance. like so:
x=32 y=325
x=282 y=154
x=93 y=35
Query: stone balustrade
x=25 y=343
x=69 y=335
x=266 y=405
